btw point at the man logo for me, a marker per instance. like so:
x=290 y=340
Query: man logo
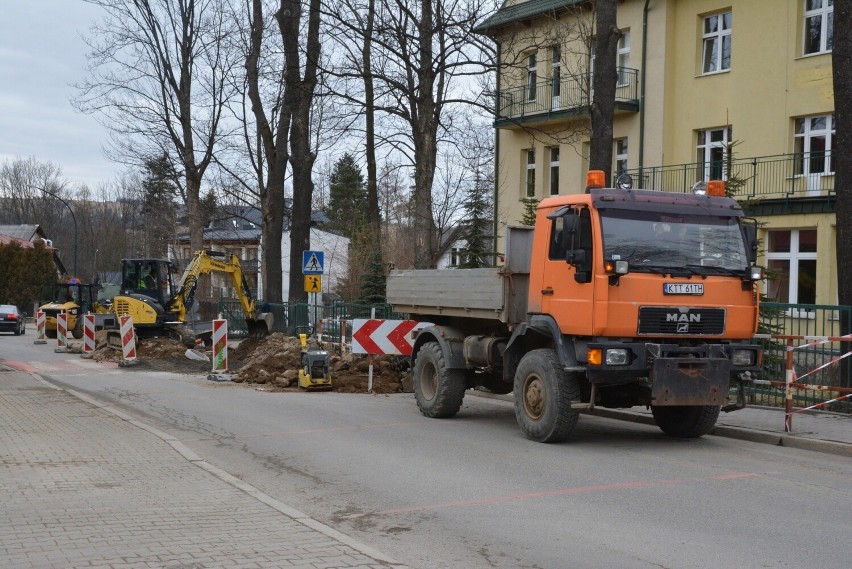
x=686 y=318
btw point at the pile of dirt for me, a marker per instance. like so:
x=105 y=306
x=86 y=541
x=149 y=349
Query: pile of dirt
x=275 y=361
x=161 y=354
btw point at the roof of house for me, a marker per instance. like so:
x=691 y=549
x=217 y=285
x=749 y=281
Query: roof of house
x=522 y=11
x=7 y=239
x=25 y=232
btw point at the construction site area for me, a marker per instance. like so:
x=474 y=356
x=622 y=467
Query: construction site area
x=270 y=363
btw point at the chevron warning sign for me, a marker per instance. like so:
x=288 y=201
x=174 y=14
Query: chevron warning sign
x=384 y=336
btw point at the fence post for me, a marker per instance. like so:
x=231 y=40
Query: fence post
x=789 y=379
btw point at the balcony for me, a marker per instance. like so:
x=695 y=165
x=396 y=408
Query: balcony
x=546 y=101
x=767 y=178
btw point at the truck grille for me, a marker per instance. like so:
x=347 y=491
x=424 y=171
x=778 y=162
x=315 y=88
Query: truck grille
x=681 y=321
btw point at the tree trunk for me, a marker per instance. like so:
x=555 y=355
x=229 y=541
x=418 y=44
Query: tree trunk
x=604 y=82
x=373 y=215
x=841 y=59
x=299 y=95
x=424 y=131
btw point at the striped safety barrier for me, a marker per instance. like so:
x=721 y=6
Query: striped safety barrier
x=40 y=337
x=128 y=340
x=220 y=346
x=61 y=332
x=88 y=333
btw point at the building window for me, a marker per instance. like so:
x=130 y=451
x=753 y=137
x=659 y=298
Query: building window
x=791 y=262
x=554 y=170
x=717 y=43
x=455 y=257
x=620 y=155
x=623 y=59
x=556 y=79
x=712 y=145
x=819 y=26
x=812 y=143
x=530 y=173
x=532 y=77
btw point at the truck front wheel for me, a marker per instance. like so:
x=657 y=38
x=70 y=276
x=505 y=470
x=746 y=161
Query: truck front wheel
x=684 y=421
x=543 y=395
x=439 y=391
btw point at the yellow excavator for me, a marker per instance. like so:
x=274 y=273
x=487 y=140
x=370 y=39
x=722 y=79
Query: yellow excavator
x=160 y=307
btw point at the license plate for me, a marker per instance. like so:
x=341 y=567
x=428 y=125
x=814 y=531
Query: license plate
x=683 y=288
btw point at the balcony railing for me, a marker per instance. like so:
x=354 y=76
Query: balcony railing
x=782 y=176
x=570 y=95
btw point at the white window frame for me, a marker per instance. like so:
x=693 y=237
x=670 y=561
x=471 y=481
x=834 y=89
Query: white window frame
x=793 y=257
x=709 y=145
x=529 y=178
x=532 y=76
x=553 y=151
x=619 y=152
x=622 y=61
x=718 y=39
x=807 y=135
x=823 y=11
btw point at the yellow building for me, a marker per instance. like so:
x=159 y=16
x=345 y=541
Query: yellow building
x=695 y=78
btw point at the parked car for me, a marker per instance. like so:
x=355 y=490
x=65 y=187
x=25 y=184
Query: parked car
x=12 y=320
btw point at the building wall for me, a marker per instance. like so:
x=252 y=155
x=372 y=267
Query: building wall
x=770 y=83
x=335 y=258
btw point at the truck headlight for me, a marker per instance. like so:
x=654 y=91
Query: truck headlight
x=743 y=358
x=617 y=357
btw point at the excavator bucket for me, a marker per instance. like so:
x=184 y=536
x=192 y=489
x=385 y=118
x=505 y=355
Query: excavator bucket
x=260 y=326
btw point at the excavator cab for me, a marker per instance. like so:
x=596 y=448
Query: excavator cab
x=149 y=277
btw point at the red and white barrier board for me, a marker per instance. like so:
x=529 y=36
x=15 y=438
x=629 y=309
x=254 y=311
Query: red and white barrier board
x=128 y=339
x=62 y=330
x=88 y=333
x=40 y=320
x=394 y=337
x=220 y=345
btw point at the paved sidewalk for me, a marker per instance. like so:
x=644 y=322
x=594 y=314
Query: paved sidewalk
x=84 y=486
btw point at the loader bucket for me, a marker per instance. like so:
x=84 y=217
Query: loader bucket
x=260 y=326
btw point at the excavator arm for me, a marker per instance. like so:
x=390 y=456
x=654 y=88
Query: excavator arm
x=206 y=262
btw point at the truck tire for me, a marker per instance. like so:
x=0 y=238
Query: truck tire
x=543 y=395
x=684 y=421
x=438 y=391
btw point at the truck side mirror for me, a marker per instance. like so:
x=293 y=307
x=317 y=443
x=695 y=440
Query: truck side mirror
x=749 y=228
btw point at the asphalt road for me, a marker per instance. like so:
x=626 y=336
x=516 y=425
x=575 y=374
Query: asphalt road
x=472 y=493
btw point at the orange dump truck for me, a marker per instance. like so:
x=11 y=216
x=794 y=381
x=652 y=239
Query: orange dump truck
x=616 y=298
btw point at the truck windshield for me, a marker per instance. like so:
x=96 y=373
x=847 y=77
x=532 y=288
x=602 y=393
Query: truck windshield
x=656 y=240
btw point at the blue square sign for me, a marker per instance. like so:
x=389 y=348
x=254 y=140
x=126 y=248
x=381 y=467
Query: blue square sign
x=312 y=262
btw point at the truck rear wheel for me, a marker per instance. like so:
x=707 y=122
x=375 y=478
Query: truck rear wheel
x=543 y=396
x=439 y=391
x=684 y=421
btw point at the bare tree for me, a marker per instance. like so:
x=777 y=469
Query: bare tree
x=604 y=82
x=841 y=59
x=158 y=81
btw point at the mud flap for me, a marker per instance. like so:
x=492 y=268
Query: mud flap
x=685 y=381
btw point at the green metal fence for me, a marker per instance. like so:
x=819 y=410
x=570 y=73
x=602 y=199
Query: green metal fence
x=816 y=362
x=292 y=317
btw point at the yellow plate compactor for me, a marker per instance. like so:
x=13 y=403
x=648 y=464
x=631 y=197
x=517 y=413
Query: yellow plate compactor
x=313 y=375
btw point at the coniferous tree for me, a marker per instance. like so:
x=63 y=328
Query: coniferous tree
x=159 y=200
x=477 y=233
x=347 y=202
x=528 y=217
x=374 y=281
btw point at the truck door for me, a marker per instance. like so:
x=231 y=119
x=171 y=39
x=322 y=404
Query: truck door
x=567 y=291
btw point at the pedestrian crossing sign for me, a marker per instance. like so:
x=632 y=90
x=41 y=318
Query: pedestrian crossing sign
x=313 y=283
x=312 y=262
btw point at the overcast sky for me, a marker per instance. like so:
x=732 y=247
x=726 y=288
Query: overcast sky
x=41 y=55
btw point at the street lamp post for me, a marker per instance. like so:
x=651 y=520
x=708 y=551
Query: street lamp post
x=73 y=218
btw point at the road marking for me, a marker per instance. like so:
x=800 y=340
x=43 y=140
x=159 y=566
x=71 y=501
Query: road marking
x=490 y=500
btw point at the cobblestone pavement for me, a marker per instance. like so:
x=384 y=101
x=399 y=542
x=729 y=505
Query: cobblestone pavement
x=82 y=486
